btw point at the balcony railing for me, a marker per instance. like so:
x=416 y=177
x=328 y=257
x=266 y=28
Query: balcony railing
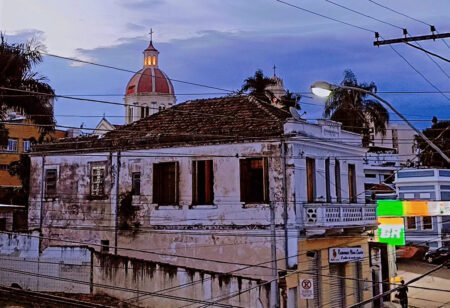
x=339 y=215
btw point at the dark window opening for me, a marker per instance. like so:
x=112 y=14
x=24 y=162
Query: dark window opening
x=411 y=223
x=104 y=246
x=136 y=183
x=203 y=182
x=311 y=179
x=2 y=224
x=165 y=183
x=427 y=223
x=352 y=183
x=50 y=182
x=327 y=180
x=337 y=175
x=254 y=180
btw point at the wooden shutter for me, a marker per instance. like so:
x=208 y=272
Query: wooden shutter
x=244 y=177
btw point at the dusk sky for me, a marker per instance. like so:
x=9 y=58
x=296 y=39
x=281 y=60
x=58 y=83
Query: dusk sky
x=219 y=43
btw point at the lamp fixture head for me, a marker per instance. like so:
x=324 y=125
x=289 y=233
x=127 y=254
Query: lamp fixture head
x=322 y=88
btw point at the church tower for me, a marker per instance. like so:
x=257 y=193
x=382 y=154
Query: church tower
x=149 y=90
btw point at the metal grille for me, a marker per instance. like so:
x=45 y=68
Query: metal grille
x=337 y=285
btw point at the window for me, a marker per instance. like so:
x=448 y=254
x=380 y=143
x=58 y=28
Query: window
x=427 y=223
x=337 y=175
x=105 y=246
x=310 y=179
x=12 y=146
x=98 y=180
x=351 y=183
x=2 y=224
x=4 y=167
x=165 y=183
x=142 y=112
x=50 y=182
x=411 y=223
x=26 y=145
x=202 y=182
x=147 y=111
x=130 y=114
x=327 y=180
x=136 y=183
x=370 y=176
x=254 y=180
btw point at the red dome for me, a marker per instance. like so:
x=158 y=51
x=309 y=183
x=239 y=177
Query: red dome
x=149 y=80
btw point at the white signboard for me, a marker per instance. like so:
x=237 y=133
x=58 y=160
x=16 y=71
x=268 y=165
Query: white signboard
x=306 y=289
x=345 y=254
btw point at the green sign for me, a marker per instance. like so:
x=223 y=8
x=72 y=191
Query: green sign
x=390 y=208
x=391 y=234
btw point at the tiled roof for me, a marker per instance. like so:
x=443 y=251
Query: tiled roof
x=205 y=121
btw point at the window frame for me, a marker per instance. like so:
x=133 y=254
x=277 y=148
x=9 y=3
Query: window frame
x=208 y=182
x=161 y=194
x=338 y=183
x=26 y=144
x=53 y=187
x=407 y=223
x=430 y=224
x=352 y=185
x=136 y=183
x=327 y=181
x=245 y=177
x=311 y=189
x=101 y=191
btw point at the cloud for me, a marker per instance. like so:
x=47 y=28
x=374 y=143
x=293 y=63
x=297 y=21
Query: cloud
x=140 y=4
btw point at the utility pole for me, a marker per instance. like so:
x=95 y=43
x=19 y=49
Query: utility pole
x=412 y=39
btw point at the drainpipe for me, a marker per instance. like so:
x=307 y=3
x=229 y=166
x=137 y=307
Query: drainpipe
x=285 y=203
x=116 y=222
x=41 y=210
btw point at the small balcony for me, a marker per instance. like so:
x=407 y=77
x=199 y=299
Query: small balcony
x=329 y=216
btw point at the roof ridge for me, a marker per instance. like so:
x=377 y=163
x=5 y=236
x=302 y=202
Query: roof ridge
x=263 y=106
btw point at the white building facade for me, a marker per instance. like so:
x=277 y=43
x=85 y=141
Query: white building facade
x=425 y=184
x=201 y=184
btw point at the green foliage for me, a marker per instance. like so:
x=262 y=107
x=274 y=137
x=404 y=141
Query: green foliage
x=354 y=110
x=21 y=168
x=16 y=64
x=439 y=134
x=290 y=100
x=256 y=86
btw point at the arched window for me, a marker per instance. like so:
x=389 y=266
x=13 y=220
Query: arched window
x=130 y=114
x=147 y=111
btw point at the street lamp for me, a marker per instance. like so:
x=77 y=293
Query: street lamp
x=324 y=89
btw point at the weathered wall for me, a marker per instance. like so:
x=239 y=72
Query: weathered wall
x=327 y=279
x=150 y=284
x=57 y=269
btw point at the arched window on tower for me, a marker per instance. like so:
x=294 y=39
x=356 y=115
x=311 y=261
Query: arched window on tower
x=147 y=111
x=130 y=114
x=142 y=112
x=153 y=60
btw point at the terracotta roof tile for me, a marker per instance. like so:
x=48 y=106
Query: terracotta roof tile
x=205 y=121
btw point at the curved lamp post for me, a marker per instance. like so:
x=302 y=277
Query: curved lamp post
x=324 y=89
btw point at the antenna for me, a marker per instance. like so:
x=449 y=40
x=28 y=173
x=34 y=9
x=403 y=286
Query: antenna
x=295 y=114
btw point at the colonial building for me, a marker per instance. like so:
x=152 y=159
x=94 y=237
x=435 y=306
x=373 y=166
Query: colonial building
x=425 y=184
x=21 y=134
x=200 y=184
x=149 y=90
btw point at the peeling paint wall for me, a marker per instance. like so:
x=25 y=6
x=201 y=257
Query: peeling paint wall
x=147 y=284
x=233 y=233
x=57 y=269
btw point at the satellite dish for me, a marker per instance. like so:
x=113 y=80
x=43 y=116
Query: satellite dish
x=295 y=114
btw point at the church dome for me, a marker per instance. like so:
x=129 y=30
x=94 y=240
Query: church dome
x=149 y=80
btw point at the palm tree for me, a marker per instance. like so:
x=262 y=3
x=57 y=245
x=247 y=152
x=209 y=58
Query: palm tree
x=354 y=110
x=290 y=99
x=256 y=86
x=16 y=63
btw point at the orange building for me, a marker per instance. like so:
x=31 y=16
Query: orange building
x=22 y=133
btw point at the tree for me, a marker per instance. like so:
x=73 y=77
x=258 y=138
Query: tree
x=290 y=100
x=16 y=64
x=439 y=134
x=354 y=110
x=256 y=86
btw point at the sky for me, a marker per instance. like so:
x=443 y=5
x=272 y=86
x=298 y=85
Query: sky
x=219 y=43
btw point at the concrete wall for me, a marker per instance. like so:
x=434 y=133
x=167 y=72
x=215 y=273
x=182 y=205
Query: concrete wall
x=150 y=284
x=57 y=269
